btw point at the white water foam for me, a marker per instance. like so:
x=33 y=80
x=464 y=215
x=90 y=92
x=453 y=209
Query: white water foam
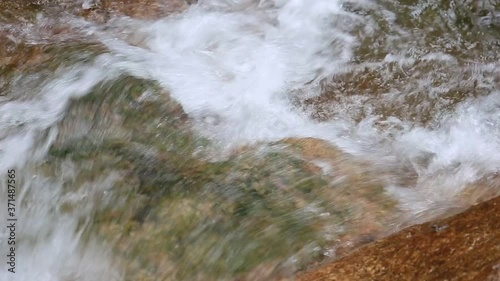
x=465 y=148
x=48 y=240
x=235 y=66
x=232 y=69
x=230 y=64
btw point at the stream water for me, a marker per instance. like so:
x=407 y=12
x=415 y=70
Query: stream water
x=240 y=140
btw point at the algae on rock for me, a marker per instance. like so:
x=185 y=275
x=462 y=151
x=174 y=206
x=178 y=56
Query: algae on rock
x=173 y=213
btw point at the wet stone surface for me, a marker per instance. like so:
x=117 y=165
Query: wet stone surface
x=176 y=214
x=170 y=212
x=462 y=247
x=104 y=10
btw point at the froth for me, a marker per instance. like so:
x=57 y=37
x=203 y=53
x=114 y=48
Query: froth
x=233 y=72
x=235 y=67
x=49 y=241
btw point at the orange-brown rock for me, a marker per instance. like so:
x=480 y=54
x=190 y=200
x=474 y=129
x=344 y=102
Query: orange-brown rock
x=462 y=247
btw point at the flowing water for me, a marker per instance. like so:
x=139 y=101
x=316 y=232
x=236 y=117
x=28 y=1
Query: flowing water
x=239 y=139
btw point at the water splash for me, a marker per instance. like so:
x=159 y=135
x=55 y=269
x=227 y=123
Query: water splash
x=233 y=71
x=237 y=66
x=238 y=69
x=49 y=240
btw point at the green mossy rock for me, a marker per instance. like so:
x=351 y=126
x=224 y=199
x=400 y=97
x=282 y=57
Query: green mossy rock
x=180 y=215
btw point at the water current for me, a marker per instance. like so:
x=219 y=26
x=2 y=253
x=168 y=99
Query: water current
x=238 y=139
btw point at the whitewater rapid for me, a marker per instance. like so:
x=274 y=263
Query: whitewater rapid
x=237 y=68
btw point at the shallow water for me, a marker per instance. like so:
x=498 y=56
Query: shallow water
x=240 y=140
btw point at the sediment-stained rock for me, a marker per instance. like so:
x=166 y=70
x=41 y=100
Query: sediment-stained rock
x=463 y=247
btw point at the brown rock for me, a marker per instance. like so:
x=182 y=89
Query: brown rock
x=143 y=9
x=463 y=247
x=13 y=11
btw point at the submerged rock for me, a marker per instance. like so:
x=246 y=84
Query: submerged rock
x=463 y=247
x=177 y=215
x=13 y=11
x=19 y=11
x=144 y=9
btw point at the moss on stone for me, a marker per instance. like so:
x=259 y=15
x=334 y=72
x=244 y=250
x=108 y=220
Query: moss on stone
x=179 y=214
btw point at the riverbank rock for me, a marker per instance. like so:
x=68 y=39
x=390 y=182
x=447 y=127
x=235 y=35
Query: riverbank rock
x=463 y=247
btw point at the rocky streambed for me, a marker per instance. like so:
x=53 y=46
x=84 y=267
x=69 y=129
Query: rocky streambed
x=251 y=140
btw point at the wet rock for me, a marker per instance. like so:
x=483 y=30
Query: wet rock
x=462 y=247
x=19 y=11
x=12 y=52
x=194 y=219
x=144 y=9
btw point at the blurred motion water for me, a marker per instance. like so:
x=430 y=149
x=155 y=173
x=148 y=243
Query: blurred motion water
x=238 y=140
